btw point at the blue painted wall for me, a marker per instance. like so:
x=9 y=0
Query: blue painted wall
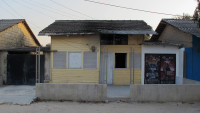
x=193 y=60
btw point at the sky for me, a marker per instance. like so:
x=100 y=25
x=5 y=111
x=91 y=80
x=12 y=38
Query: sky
x=41 y=13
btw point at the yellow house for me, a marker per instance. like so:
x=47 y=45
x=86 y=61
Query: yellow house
x=96 y=51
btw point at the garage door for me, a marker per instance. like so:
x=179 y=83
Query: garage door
x=21 y=69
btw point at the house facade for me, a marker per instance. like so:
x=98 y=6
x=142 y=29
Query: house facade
x=96 y=51
x=14 y=33
x=185 y=33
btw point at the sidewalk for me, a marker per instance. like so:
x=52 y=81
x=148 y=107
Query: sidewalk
x=113 y=107
x=17 y=94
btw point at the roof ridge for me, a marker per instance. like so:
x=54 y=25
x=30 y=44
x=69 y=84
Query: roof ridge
x=95 y=20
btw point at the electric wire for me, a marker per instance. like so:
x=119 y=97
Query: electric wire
x=71 y=9
x=52 y=11
x=128 y=8
x=37 y=27
x=36 y=11
x=55 y=9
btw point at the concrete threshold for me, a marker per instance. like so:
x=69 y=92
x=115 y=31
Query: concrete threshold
x=118 y=92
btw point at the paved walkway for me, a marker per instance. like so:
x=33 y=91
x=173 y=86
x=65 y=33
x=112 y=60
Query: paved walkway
x=21 y=94
x=118 y=91
x=189 y=81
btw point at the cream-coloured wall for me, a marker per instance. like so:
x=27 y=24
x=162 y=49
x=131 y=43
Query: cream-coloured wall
x=16 y=36
x=135 y=39
x=75 y=76
x=83 y=43
x=78 y=43
x=173 y=35
x=123 y=76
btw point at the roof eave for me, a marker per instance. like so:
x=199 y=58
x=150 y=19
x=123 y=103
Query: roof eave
x=101 y=32
x=31 y=32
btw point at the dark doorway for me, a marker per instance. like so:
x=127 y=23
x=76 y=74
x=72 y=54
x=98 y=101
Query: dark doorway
x=21 y=69
x=120 y=60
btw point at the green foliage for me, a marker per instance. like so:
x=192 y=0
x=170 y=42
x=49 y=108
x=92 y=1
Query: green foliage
x=185 y=17
x=196 y=15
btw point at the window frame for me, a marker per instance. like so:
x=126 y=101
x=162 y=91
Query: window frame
x=54 y=64
x=84 y=59
x=126 y=61
x=81 y=64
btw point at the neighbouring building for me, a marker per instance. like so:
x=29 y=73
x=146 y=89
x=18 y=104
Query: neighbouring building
x=17 y=52
x=162 y=63
x=96 y=51
x=185 y=33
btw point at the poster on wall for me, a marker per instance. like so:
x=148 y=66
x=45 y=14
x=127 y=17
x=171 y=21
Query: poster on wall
x=160 y=69
x=168 y=69
x=152 y=65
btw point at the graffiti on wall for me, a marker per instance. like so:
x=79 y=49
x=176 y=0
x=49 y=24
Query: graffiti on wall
x=160 y=68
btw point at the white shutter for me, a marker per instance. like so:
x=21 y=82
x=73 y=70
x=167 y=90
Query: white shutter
x=75 y=60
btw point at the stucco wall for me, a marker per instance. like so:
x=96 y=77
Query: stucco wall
x=16 y=36
x=74 y=92
x=47 y=71
x=3 y=67
x=165 y=93
x=171 y=34
x=157 y=49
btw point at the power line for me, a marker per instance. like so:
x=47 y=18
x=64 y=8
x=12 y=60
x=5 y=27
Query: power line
x=52 y=11
x=18 y=13
x=131 y=8
x=22 y=3
x=71 y=9
x=52 y=8
x=11 y=13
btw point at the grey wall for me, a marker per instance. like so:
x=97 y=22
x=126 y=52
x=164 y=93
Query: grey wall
x=165 y=93
x=3 y=67
x=74 y=92
x=47 y=67
x=173 y=35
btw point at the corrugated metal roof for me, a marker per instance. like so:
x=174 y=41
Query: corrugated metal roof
x=4 y=24
x=71 y=27
x=187 y=26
